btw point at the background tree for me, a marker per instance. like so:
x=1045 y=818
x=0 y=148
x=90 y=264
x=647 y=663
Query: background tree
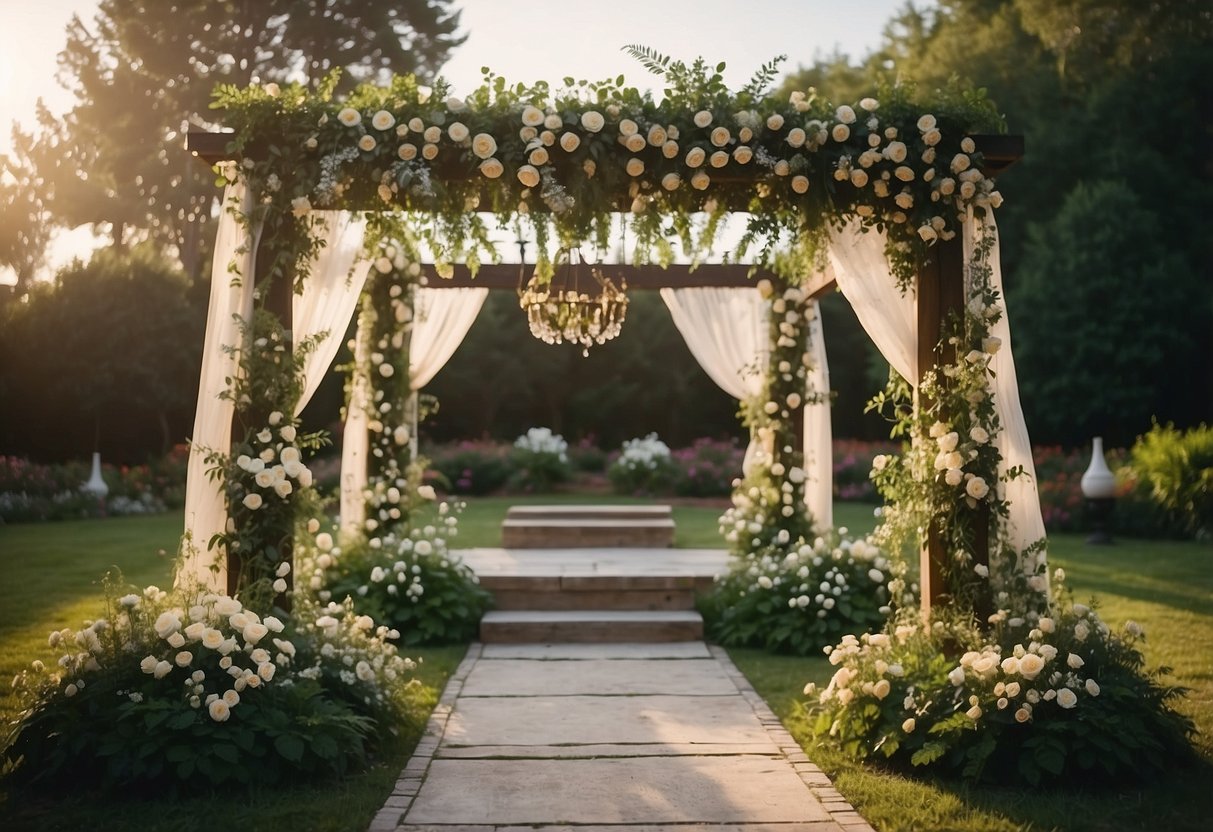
x=111 y=348
x=143 y=71
x=1104 y=92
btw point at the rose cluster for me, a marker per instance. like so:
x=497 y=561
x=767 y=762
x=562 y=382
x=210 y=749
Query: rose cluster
x=275 y=468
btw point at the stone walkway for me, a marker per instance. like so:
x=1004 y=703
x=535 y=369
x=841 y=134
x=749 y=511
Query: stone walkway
x=626 y=737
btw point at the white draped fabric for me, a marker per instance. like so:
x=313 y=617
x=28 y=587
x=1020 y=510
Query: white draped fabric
x=887 y=316
x=1025 y=524
x=441 y=320
x=231 y=302
x=818 y=435
x=890 y=319
x=330 y=295
x=727 y=331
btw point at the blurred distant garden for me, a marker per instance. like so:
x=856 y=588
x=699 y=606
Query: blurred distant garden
x=1105 y=235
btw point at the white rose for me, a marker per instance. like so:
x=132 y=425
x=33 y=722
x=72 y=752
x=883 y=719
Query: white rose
x=383 y=120
x=702 y=118
x=569 y=142
x=484 y=145
x=800 y=184
x=1030 y=666
x=796 y=137
x=1074 y=661
x=671 y=181
x=700 y=181
x=1092 y=687
x=349 y=117
x=927 y=233
x=458 y=132
x=845 y=114
x=742 y=154
x=953 y=476
x=532 y=116
x=538 y=156
x=627 y=127
x=491 y=168
x=925 y=123
x=184 y=658
x=669 y=149
x=931 y=137
x=1067 y=698
x=719 y=159
x=977 y=488
x=695 y=157
x=592 y=120
x=720 y=136
x=859 y=178
x=657 y=135
x=980 y=436
x=167 y=624
x=634 y=167
x=426 y=492
x=840 y=132
x=219 y=710
x=869 y=104
x=367 y=143
x=528 y=176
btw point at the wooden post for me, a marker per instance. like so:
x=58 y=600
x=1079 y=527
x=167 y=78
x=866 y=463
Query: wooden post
x=940 y=292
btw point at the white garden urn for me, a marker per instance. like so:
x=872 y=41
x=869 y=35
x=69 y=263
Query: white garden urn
x=96 y=485
x=1098 y=483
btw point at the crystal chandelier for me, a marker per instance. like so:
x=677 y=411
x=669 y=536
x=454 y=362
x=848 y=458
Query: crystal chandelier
x=561 y=311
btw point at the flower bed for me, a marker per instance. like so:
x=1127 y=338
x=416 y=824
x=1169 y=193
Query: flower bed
x=31 y=491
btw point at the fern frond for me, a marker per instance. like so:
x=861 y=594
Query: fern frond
x=650 y=58
x=768 y=72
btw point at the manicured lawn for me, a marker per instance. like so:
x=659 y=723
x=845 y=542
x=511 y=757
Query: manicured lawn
x=1165 y=586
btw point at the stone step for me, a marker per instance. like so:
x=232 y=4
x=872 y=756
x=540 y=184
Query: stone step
x=597 y=592
x=556 y=626
x=566 y=512
x=574 y=533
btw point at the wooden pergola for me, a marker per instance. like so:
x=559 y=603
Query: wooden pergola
x=939 y=289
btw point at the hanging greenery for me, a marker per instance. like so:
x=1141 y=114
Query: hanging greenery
x=564 y=160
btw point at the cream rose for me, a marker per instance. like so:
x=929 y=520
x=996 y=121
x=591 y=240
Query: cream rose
x=349 y=117
x=407 y=151
x=775 y=122
x=845 y=114
x=720 y=136
x=977 y=488
x=458 y=132
x=634 y=143
x=484 y=145
x=627 y=127
x=671 y=181
x=719 y=159
x=796 y=137
x=657 y=135
x=700 y=180
x=429 y=151
x=695 y=157
x=634 y=167
x=742 y=154
x=569 y=142
x=367 y=143
x=593 y=121
x=532 y=116
x=491 y=168
x=538 y=156
x=702 y=118
x=840 y=133
x=669 y=149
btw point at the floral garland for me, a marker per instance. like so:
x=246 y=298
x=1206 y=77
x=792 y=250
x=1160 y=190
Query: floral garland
x=564 y=161
x=382 y=364
x=768 y=502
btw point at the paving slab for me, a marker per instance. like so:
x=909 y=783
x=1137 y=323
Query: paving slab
x=601 y=750
x=646 y=790
x=596 y=562
x=808 y=826
x=619 y=677
x=583 y=720
x=573 y=652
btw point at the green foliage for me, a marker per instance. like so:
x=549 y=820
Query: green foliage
x=472 y=467
x=1048 y=699
x=1177 y=469
x=540 y=460
x=142 y=701
x=796 y=597
x=408 y=580
x=644 y=466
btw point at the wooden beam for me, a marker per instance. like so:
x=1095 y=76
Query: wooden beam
x=940 y=293
x=638 y=278
x=821 y=283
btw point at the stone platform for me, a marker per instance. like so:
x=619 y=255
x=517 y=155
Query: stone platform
x=564 y=526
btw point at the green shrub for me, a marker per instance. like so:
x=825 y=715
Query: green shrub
x=1044 y=699
x=796 y=598
x=472 y=467
x=541 y=461
x=1176 y=467
x=643 y=466
x=707 y=468
x=179 y=692
x=408 y=581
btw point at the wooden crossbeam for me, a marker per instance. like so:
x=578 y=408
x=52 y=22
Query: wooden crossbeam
x=638 y=278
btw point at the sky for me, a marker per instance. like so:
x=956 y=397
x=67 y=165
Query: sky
x=531 y=41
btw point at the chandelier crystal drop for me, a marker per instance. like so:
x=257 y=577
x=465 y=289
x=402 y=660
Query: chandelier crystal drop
x=560 y=310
